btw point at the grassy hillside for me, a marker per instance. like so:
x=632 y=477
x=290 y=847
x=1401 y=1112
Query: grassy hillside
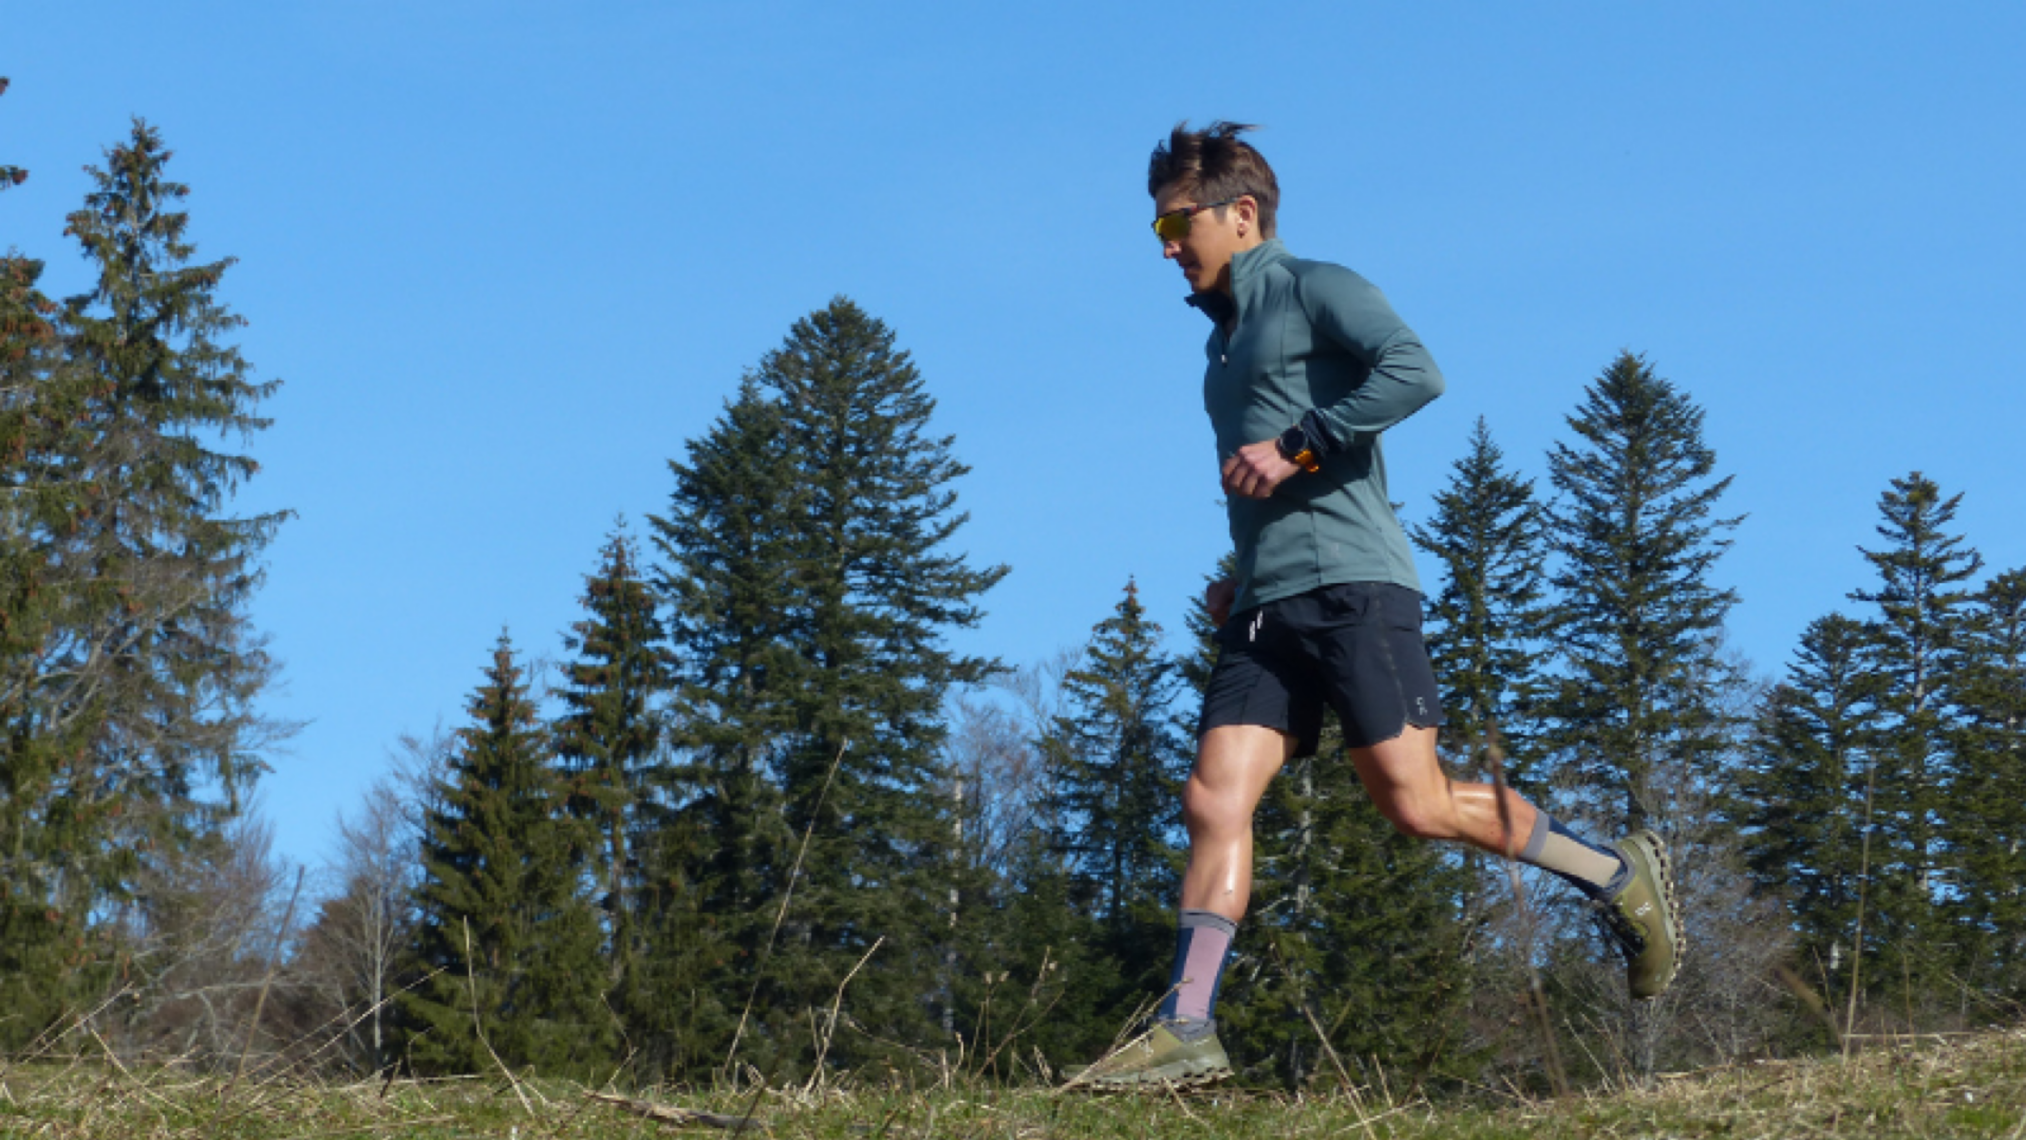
x=1926 y=1087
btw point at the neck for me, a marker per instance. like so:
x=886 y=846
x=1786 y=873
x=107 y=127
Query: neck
x=1245 y=245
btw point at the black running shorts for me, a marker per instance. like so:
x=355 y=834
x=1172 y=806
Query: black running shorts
x=1356 y=647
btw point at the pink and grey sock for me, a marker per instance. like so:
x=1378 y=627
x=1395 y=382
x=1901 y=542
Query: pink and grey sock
x=1202 y=947
x=1596 y=871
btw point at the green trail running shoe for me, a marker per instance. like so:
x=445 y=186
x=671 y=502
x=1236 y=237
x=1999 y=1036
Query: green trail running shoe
x=1156 y=1058
x=1644 y=917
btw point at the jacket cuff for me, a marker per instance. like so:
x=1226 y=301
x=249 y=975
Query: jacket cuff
x=1319 y=434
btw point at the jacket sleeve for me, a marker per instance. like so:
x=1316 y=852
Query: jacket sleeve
x=1348 y=311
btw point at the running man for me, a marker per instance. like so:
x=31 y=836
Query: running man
x=1307 y=365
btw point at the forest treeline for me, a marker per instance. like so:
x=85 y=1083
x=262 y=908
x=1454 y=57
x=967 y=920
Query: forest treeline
x=757 y=817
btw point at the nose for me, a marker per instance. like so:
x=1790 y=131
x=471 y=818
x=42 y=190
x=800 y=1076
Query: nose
x=1171 y=249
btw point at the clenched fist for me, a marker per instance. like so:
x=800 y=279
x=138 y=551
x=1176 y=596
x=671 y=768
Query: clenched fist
x=1256 y=470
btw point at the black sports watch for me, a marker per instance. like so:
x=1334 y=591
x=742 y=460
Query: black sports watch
x=1295 y=446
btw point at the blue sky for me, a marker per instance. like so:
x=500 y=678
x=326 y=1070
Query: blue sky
x=507 y=258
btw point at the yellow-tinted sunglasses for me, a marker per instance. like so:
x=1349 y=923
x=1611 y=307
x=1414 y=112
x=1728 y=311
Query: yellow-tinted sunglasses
x=1174 y=225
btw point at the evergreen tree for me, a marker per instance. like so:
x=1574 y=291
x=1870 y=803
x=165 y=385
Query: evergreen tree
x=717 y=850
x=1637 y=617
x=829 y=667
x=608 y=734
x=879 y=589
x=170 y=574
x=507 y=943
x=1486 y=627
x=1108 y=867
x=130 y=669
x=1802 y=795
x=1117 y=766
x=1911 y=652
x=1987 y=809
x=39 y=943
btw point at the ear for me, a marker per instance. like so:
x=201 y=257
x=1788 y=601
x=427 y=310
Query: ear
x=1247 y=209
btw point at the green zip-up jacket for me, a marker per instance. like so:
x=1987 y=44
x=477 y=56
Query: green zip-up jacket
x=1300 y=335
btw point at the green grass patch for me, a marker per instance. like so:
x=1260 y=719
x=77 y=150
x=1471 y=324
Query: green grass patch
x=1970 y=1086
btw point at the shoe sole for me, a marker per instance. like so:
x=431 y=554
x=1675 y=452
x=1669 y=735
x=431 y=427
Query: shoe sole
x=1175 y=1074
x=1655 y=850
x=1154 y=1080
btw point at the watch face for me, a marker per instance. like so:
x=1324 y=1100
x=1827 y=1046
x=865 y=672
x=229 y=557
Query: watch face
x=1292 y=442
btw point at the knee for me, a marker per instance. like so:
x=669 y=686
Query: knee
x=1204 y=811
x=1423 y=817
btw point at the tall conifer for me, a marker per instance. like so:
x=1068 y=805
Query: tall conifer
x=1912 y=651
x=879 y=589
x=39 y=403
x=1117 y=765
x=718 y=849
x=813 y=625
x=609 y=733
x=1638 y=615
x=129 y=669
x=1804 y=791
x=1987 y=805
x=507 y=943
x=1486 y=626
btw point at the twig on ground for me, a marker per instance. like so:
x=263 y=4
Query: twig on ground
x=667 y=1114
x=1343 y=1075
x=830 y=1025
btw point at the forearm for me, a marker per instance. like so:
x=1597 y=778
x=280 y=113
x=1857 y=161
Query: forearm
x=1402 y=381
x=1398 y=378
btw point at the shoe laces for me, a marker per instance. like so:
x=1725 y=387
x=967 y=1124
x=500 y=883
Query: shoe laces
x=1617 y=926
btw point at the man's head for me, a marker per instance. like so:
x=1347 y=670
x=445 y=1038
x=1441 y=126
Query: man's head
x=1214 y=196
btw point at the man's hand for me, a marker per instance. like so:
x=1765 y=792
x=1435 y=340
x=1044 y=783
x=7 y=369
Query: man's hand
x=1256 y=470
x=1217 y=598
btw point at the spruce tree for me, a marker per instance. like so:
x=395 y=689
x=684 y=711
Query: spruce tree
x=879 y=589
x=607 y=738
x=130 y=669
x=507 y=945
x=1637 y=616
x=1986 y=812
x=716 y=848
x=171 y=573
x=39 y=942
x=1802 y=797
x=1912 y=649
x=1117 y=766
x=1486 y=627
x=827 y=670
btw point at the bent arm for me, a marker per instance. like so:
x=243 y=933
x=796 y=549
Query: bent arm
x=1350 y=312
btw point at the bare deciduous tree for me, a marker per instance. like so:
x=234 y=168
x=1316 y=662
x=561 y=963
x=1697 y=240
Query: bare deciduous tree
x=353 y=947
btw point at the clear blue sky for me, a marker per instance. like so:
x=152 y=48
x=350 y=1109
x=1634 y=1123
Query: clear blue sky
x=508 y=258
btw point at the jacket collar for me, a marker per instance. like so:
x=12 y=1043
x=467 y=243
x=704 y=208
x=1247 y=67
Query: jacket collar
x=1246 y=268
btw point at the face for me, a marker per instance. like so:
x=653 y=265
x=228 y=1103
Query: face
x=1204 y=256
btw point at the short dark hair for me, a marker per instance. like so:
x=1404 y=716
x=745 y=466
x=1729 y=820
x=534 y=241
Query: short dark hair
x=1214 y=164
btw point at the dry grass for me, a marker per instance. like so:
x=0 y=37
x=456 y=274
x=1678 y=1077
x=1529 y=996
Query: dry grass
x=1919 y=1087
